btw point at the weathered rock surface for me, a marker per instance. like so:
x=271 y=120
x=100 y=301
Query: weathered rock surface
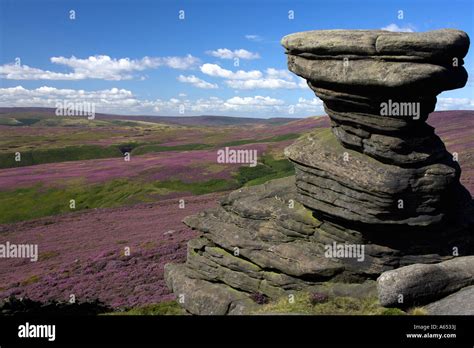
x=355 y=72
x=377 y=193
x=378 y=89
x=261 y=240
x=345 y=185
x=459 y=303
x=427 y=46
x=421 y=283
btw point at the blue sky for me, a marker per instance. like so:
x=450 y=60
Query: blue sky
x=139 y=57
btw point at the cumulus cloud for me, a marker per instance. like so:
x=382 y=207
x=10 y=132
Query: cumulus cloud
x=395 y=27
x=238 y=106
x=109 y=100
x=455 y=104
x=217 y=71
x=273 y=79
x=302 y=83
x=264 y=83
x=121 y=101
x=279 y=73
x=25 y=72
x=314 y=105
x=96 y=67
x=196 y=82
x=254 y=101
x=225 y=53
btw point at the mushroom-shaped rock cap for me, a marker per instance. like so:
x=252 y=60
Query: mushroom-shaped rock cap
x=427 y=45
x=367 y=60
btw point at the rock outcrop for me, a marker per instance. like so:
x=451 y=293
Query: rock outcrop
x=459 y=303
x=420 y=284
x=376 y=192
x=378 y=97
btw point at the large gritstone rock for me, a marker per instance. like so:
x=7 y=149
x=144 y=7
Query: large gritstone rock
x=378 y=89
x=377 y=192
x=459 y=303
x=420 y=283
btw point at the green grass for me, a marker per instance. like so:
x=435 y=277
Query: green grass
x=334 y=306
x=163 y=308
x=269 y=169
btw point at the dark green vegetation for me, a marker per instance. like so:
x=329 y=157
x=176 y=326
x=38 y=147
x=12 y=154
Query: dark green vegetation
x=55 y=155
x=269 y=169
x=16 y=123
x=162 y=308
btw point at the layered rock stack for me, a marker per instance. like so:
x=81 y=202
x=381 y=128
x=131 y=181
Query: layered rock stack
x=377 y=192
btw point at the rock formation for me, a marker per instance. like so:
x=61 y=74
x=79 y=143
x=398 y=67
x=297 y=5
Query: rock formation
x=419 y=284
x=459 y=303
x=378 y=192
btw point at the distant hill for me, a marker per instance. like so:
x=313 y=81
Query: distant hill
x=203 y=120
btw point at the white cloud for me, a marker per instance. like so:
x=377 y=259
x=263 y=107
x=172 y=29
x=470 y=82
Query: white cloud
x=302 y=83
x=254 y=101
x=109 y=100
x=395 y=27
x=238 y=106
x=274 y=79
x=182 y=63
x=216 y=71
x=197 y=82
x=96 y=67
x=225 y=53
x=281 y=74
x=253 y=37
x=455 y=104
x=122 y=101
x=255 y=79
x=314 y=105
x=265 y=83
x=24 y=72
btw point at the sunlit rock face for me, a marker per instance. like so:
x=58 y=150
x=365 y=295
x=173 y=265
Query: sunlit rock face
x=378 y=88
x=376 y=192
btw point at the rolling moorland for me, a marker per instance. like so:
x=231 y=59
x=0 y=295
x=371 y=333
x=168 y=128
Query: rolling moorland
x=134 y=203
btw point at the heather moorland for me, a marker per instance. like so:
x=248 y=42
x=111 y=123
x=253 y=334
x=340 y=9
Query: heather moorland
x=137 y=204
